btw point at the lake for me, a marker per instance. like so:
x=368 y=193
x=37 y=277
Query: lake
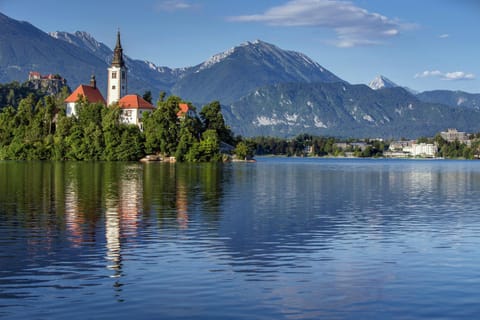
x=278 y=239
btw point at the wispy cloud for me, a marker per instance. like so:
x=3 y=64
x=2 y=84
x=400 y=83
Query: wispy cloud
x=353 y=25
x=174 y=5
x=456 y=75
x=444 y=36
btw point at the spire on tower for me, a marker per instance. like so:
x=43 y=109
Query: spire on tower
x=93 y=81
x=118 y=39
x=118 y=53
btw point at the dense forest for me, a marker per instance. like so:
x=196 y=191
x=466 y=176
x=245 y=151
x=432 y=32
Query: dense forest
x=36 y=128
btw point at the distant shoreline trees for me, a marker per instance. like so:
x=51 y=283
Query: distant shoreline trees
x=309 y=145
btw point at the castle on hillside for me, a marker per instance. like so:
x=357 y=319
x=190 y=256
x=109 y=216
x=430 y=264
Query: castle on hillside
x=51 y=83
x=132 y=106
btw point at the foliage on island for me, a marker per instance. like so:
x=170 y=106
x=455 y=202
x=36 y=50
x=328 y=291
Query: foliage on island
x=38 y=129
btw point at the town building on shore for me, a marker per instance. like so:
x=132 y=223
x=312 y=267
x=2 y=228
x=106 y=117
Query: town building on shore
x=410 y=148
x=452 y=135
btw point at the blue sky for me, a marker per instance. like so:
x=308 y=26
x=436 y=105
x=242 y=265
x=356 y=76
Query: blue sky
x=422 y=44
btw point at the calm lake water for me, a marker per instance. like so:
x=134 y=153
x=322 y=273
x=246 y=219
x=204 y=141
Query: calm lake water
x=277 y=239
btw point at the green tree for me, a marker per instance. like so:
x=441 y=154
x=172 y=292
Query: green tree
x=187 y=138
x=161 y=128
x=209 y=147
x=148 y=96
x=212 y=119
x=131 y=146
x=63 y=126
x=7 y=116
x=111 y=132
x=241 y=150
x=161 y=97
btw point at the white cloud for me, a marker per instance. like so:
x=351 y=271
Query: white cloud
x=456 y=75
x=353 y=25
x=444 y=36
x=427 y=73
x=173 y=5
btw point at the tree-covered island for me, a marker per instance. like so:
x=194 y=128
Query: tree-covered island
x=36 y=127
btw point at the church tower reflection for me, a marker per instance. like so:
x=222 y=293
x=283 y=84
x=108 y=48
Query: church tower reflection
x=112 y=235
x=123 y=210
x=115 y=201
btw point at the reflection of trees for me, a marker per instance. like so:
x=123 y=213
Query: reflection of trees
x=160 y=187
x=178 y=191
x=30 y=196
x=78 y=213
x=83 y=185
x=212 y=179
x=28 y=188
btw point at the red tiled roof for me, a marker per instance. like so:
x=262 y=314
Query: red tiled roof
x=134 y=101
x=184 y=108
x=92 y=94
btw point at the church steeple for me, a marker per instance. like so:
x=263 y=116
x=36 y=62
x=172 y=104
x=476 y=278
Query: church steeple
x=117 y=75
x=118 y=53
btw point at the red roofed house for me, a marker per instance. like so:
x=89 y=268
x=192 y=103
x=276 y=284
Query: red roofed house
x=184 y=111
x=89 y=92
x=133 y=107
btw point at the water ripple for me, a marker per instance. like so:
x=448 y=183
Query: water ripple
x=280 y=239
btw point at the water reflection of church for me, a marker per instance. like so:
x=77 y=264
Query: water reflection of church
x=120 y=206
x=124 y=211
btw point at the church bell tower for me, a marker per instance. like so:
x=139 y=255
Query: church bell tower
x=117 y=75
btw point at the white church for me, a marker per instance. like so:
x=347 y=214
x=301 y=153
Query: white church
x=132 y=105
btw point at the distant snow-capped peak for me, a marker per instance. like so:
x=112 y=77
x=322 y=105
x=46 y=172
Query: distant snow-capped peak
x=219 y=57
x=261 y=49
x=381 y=82
x=216 y=59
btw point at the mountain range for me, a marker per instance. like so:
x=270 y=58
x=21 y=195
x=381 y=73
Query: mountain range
x=343 y=110
x=264 y=90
